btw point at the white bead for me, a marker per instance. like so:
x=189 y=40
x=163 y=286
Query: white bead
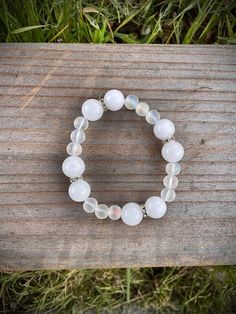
x=77 y=136
x=101 y=211
x=173 y=168
x=155 y=207
x=92 y=109
x=73 y=166
x=164 y=129
x=172 y=151
x=114 y=212
x=142 y=109
x=168 y=195
x=131 y=102
x=79 y=190
x=131 y=214
x=171 y=182
x=81 y=123
x=74 y=148
x=90 y=204
x=114 y=100
x=152 y=116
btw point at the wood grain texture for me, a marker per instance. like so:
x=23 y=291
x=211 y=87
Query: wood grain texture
x=42 y=87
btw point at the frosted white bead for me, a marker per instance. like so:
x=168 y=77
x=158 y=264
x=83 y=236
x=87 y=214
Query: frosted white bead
x=101 y=211
x=81 y=123
x=73 y=166
x=115 y=212
x=92 y=109
x=172 y=151
x=155 y=207
x=74 y=148
x=77 y=136
x=171 y=182
x=168 y=195
x=142 y=109
x=114 y=100
x=131 y=214
x=131 y=102
x=164 y=129
x=90 y=204
x=79 y=190
x=152 y=116
x=173 y=168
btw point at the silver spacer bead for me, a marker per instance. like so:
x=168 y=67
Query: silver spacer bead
x=104 y=107
x=168 y=140
x=75 y=179
x=144 y=210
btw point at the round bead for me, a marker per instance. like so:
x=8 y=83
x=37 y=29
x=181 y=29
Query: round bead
x=171 y=182
x=131 y=214
x=92 y=109
x=90 y=204
x=131 y=102
x=168 y=195
x=79 y=190
x=74 y=148
x=155 y=207
x=115 y=212
x=81 y=123
x=142 y=109
x=164 y=129
x=73 y=166
x=77 y=136
x=101 y=211
x=114 y=100
x=172 y=151
x=173 y=168
x=152 y=117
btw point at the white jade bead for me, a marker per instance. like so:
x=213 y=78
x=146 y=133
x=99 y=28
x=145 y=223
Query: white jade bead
x=79 y=190
x=114 y=212
x=74 y=149
x=173 y=168
x=114 y=100
x=152 y=117
x=131 y=102
x=77 y=136
x=142 y=109
x=101 y=211
x=164 y=129
x=131 y=214
x=81 y=123
x=90 y=204
x=92 y=109
x=168 y=195
x=155 y=207
x=172 y=151
x=171 y=182
x=73 y=166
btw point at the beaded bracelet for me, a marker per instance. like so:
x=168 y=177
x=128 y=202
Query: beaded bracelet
x=73 y=166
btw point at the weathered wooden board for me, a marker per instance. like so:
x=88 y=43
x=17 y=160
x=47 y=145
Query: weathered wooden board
x=42 y=87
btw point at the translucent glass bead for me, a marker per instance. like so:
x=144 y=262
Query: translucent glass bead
x=74 y=148
x=172 y=151
x=142 y=109
x=90 y=204
x=92 y=109
x=131 y=102
x=173 y=168
x=114 y=100
x=131 y=214
x=152 y=116
x=77 y=136
x=168 y=195
x=155 y=207
x=101 y=211
x=164 y=129
x=79 y=190
x=114 y=212
x=171 y=182
x=73 y=166
x=81 y=123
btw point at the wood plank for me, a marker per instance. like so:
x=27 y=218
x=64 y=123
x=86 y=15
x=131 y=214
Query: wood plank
x=42 y=88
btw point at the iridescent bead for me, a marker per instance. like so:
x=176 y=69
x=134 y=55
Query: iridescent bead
x=131 y=102
x=77 y=136
x=115 y=212
x=164 y=129
x=171 y=182
x=74 y=148
x=173 y=168
x=92 y=109
x=101 y=211
x=152 y=116
x=168 y=195
x=81 y=123
x=155 y=207
x=73 y=166
x=90 y=204
x=142 y=109
x=114 y=100
x=172 y=151
x=131 y=214
x=79 y=190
